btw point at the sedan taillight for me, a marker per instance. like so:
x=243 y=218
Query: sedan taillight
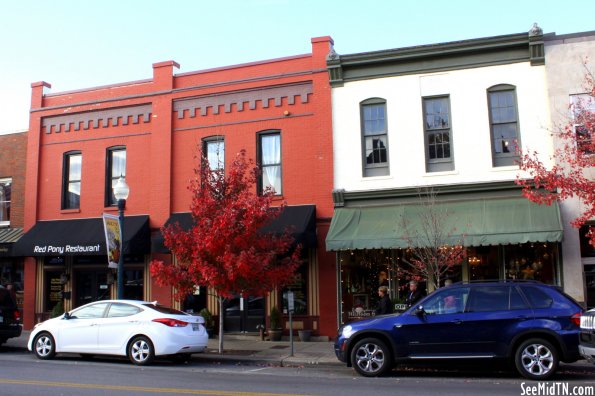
x=171 y=322
x=576 y=319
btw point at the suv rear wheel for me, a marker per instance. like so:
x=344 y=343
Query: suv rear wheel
x=371 y=357
x=536 y=359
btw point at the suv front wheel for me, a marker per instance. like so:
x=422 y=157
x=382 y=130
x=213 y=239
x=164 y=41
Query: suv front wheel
x=536 y=359
x=371 y=357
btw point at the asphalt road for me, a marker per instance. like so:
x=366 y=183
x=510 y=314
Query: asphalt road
x=23 y=374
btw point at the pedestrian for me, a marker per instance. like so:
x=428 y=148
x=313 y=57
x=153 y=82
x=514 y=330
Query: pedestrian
x=414 y=294
x=385 y=306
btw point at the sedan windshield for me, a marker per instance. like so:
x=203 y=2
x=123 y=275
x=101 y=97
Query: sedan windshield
x=165 y=310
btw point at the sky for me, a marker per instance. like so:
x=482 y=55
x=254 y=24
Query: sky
x=81 y=43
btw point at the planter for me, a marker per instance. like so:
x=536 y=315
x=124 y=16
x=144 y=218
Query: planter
x=305 y=335
x=275 y=335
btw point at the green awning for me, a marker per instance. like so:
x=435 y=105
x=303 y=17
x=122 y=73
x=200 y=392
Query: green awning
x=476 y=222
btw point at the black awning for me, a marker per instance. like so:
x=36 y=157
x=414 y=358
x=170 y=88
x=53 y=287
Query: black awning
x=81 y=237
x=300 y=220
x=8 y=237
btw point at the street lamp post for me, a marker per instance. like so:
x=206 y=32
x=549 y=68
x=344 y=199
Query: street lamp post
x=121 y=191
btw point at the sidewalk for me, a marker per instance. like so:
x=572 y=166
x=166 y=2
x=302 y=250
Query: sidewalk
x=251 y=349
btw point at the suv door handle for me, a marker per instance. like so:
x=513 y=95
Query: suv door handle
x=457 y=321
x=522 y=317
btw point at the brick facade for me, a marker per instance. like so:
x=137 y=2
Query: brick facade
x=162 y=121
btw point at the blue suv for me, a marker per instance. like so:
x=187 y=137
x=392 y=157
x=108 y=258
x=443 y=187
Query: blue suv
x=532 y=325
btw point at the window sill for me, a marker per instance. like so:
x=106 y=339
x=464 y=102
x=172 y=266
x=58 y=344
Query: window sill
x=372 y=178
x=445 y=173
x=110 y=209
x=506 y=168
x=67 y=211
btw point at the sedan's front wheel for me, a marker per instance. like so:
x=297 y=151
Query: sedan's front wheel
x=44 y=346
x=371 y=357
x=141 y=351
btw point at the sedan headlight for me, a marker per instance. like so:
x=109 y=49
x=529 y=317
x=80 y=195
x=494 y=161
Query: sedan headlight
x=348 y=331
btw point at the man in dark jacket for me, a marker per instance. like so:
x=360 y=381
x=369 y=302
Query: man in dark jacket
x=414 y=294
x=385 y=306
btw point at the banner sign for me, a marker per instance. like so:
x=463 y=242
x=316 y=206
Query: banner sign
x=113 y=239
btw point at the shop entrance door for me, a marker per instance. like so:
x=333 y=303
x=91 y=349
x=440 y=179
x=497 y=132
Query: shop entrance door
x=246 y=320
x=90 y=286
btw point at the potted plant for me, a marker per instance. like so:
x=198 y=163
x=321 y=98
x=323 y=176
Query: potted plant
x=208 y=317
x=275 y=329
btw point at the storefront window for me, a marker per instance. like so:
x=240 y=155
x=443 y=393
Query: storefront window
x=483 y=263
x=53 y=289
x=299 y=287
x=534 y=261
x=133 y=284
x=363 y=271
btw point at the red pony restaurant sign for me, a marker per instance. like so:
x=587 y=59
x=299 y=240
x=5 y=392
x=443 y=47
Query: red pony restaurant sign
x=113 y=239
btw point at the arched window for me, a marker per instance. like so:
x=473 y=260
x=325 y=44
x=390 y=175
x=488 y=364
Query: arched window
x=504 y=124
x=374 y=137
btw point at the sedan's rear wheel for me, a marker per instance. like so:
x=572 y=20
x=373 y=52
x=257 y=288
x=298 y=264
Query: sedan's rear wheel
x=536 y=359
x=44 y=346
x=371 y=357
x=141 y=351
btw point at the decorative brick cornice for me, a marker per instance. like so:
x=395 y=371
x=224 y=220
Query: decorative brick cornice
x=240 y=98
x=98 y=118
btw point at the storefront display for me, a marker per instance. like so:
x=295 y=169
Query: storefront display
x=363 y=271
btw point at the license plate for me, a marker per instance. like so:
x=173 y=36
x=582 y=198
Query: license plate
x=195 y=326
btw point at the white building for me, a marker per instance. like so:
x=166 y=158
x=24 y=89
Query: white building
x=447 y=117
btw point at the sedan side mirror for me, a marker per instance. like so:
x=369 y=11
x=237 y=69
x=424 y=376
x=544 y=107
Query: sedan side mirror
x=66 y=316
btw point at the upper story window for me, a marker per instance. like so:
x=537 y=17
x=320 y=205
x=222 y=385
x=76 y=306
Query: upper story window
x=438 y=139
x=269 y=158
x=5 y=192
x=214 y=150
x=504 y=124
x=115 y=167
x=583 y=109
x=374 y=137
x=71 y=180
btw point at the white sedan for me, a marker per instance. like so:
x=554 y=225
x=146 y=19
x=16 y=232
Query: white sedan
x=140 y=330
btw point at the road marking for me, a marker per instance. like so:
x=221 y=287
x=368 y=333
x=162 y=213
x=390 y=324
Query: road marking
x=140 y=388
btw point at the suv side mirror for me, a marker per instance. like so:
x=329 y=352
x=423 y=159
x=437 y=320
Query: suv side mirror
x=419 y=311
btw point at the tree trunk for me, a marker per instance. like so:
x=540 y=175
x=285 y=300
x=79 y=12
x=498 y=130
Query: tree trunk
x=220 y=325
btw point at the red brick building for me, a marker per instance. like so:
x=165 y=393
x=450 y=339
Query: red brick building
x=150 y=131
x=13 y=149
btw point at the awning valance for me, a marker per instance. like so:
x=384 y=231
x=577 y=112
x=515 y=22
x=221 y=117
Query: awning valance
x=84 y=237
x=473 y=223
x=300 y=219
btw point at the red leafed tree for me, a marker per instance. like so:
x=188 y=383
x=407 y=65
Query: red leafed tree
x=432 y=250
x=574 y=156
x=224 y=249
